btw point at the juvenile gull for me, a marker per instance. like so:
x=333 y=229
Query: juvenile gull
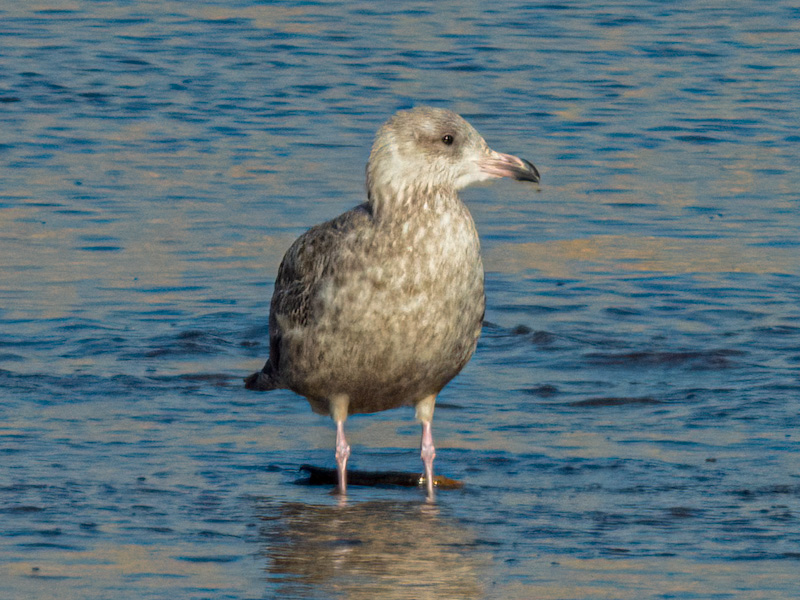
x=382 y=306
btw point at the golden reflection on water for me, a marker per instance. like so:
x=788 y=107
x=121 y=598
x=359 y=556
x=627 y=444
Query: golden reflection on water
x=633 y=579
x=81 y=574
x=368 y=550
x=666 y=255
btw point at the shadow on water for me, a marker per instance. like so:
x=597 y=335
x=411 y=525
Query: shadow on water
x=374 y=549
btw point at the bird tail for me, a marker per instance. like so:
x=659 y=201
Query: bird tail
x=262 y=381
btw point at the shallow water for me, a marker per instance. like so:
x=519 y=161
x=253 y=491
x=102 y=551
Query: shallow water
x=628 y=425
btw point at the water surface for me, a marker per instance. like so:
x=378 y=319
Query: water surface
x=628 y=425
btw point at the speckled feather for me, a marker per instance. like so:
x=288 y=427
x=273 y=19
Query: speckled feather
x=384 y=303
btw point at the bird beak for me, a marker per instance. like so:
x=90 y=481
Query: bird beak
x=496 y=164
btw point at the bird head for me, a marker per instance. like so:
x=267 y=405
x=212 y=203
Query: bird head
x=427 y=149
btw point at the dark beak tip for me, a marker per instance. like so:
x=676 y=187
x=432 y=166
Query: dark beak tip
x=531 y=174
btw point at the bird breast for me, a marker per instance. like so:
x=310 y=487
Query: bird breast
x=400 y=316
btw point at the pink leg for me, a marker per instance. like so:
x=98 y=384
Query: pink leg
x=425 y=416
x=428 y=453
x=342 y=454
x=338 y=408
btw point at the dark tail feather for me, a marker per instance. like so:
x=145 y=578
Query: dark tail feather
x=263 y=381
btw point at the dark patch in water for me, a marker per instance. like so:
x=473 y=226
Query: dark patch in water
x=100 y=248
x=697 y=139
x=770 y=490
x=216 y=379
x=543 y=391
x=599 y=402
x=683 y=512
x=712 y=359
x=189 y=342
x=11 y=510
x=209 y=559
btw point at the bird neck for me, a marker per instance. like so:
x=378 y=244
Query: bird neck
x=390 y=203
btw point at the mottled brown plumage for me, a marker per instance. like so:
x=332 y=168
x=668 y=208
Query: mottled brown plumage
x=382 y=306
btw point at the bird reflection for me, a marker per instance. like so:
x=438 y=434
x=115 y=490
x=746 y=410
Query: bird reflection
x=386 y=550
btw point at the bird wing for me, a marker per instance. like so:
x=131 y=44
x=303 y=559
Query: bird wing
x=310 y=261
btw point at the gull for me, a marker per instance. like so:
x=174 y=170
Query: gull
x=383 y=305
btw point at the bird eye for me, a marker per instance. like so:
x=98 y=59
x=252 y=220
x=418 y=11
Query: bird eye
x=447 y=139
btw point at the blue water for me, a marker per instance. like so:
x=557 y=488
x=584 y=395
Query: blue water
x=628 y=427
